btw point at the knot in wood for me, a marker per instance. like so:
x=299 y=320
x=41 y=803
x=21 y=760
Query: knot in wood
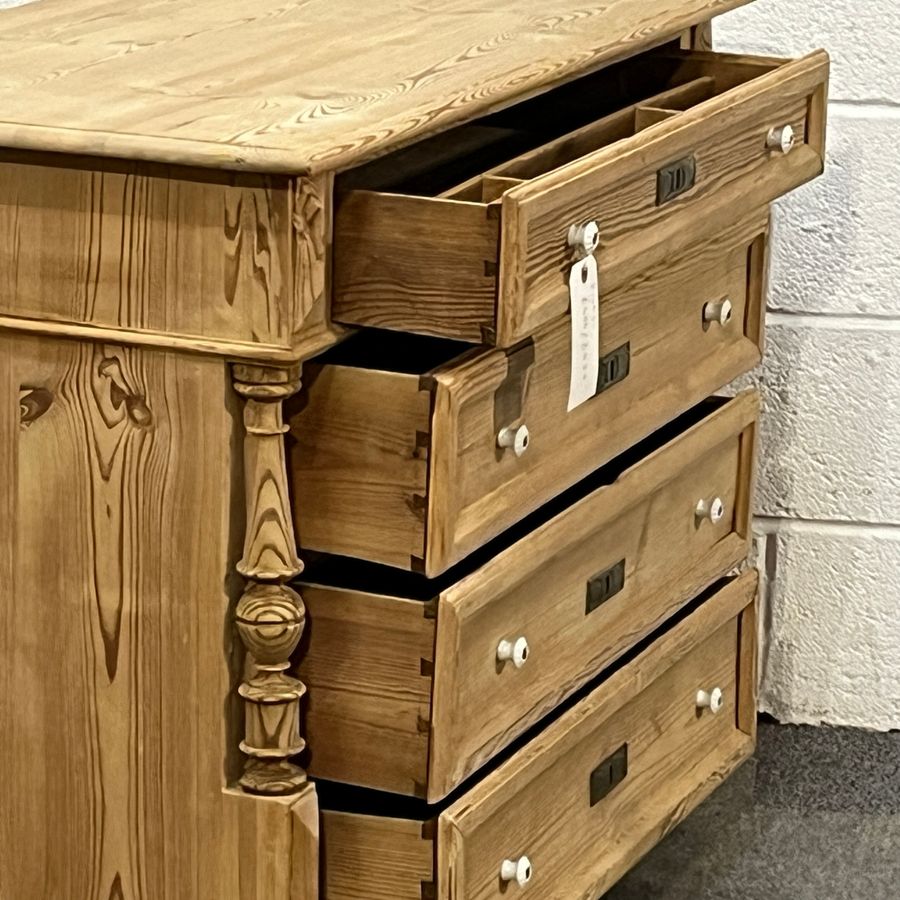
x=33 y=403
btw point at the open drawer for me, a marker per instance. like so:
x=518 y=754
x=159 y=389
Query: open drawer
x=575 y=807
x=658 y=151
x=400 y=445
x=415 y=683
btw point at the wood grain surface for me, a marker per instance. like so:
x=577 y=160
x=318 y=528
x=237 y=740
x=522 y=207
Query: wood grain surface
x=487 y=261
x=617 y=186
x=375 y=858
x=274 y=849
x=417 y=264
x=358 y=467
x=295 y=85
x=378 y=474
x=701 y=36
x=270 y=616
x=229 y=264
x=146 y=248
x=270 y=548
x=120 y=522
x=538 y=803
x=367 y=664
x=312 y=211
x=550 y=818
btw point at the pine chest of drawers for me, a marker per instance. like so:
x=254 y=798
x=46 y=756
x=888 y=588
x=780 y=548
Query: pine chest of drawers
x=370 y=528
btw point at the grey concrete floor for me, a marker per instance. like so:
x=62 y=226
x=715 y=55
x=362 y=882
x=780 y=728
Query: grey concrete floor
x=814 y=816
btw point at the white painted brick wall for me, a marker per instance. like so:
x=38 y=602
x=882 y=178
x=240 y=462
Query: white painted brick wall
x=829 y=481
x=836 y=244
x=831 y=422
x=862 y=36
x=829 y=642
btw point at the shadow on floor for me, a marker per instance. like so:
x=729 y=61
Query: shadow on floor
x=814 y=816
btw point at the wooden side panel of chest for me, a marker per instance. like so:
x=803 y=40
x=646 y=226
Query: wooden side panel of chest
x=120 y=520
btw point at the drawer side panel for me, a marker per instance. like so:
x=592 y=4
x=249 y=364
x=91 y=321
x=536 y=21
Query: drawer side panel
x=358 y=452
x=416 y=264
x=374 y=858
x=366 y=663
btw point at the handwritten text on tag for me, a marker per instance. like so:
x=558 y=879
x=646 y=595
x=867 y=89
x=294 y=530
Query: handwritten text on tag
x=584 y=292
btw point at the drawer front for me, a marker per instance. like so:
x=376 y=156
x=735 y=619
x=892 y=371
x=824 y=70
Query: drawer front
x=709 y=160
x=583 y=801
x=673 y=360
x=588 y=585
x=692 y=141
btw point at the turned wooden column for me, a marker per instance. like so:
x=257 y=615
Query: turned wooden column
x=270 y=616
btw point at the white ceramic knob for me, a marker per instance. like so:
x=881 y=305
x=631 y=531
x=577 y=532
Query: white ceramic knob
x=515 y=438
x=515 y=650
x=584 y=239
x=517 y=870
x=781 y=139
x=714 y=510
x=718 y=311
x=712 y=700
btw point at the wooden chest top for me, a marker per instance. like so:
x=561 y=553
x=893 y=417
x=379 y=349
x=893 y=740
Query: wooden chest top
x=294 y=86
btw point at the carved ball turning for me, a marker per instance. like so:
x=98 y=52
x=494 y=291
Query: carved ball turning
x=270 y=619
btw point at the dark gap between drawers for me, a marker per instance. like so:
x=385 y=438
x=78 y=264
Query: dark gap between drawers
x=355 y=574
x=395 y=351
x=366 y=801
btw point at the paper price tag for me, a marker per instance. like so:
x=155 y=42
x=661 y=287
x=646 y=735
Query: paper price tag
x=584 y=293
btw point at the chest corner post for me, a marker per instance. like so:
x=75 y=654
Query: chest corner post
x=270 y=616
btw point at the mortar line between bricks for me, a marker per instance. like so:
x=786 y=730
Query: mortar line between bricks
x=864 y=109
x=847 y=321
x=784 y=524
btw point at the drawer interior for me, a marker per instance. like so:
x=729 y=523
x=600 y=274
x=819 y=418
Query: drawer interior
x=480 y=160
x=358 y=574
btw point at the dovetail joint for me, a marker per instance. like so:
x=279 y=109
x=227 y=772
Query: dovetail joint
x=429 y=607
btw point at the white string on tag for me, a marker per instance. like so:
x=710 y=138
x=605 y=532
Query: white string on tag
x=584 y=293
